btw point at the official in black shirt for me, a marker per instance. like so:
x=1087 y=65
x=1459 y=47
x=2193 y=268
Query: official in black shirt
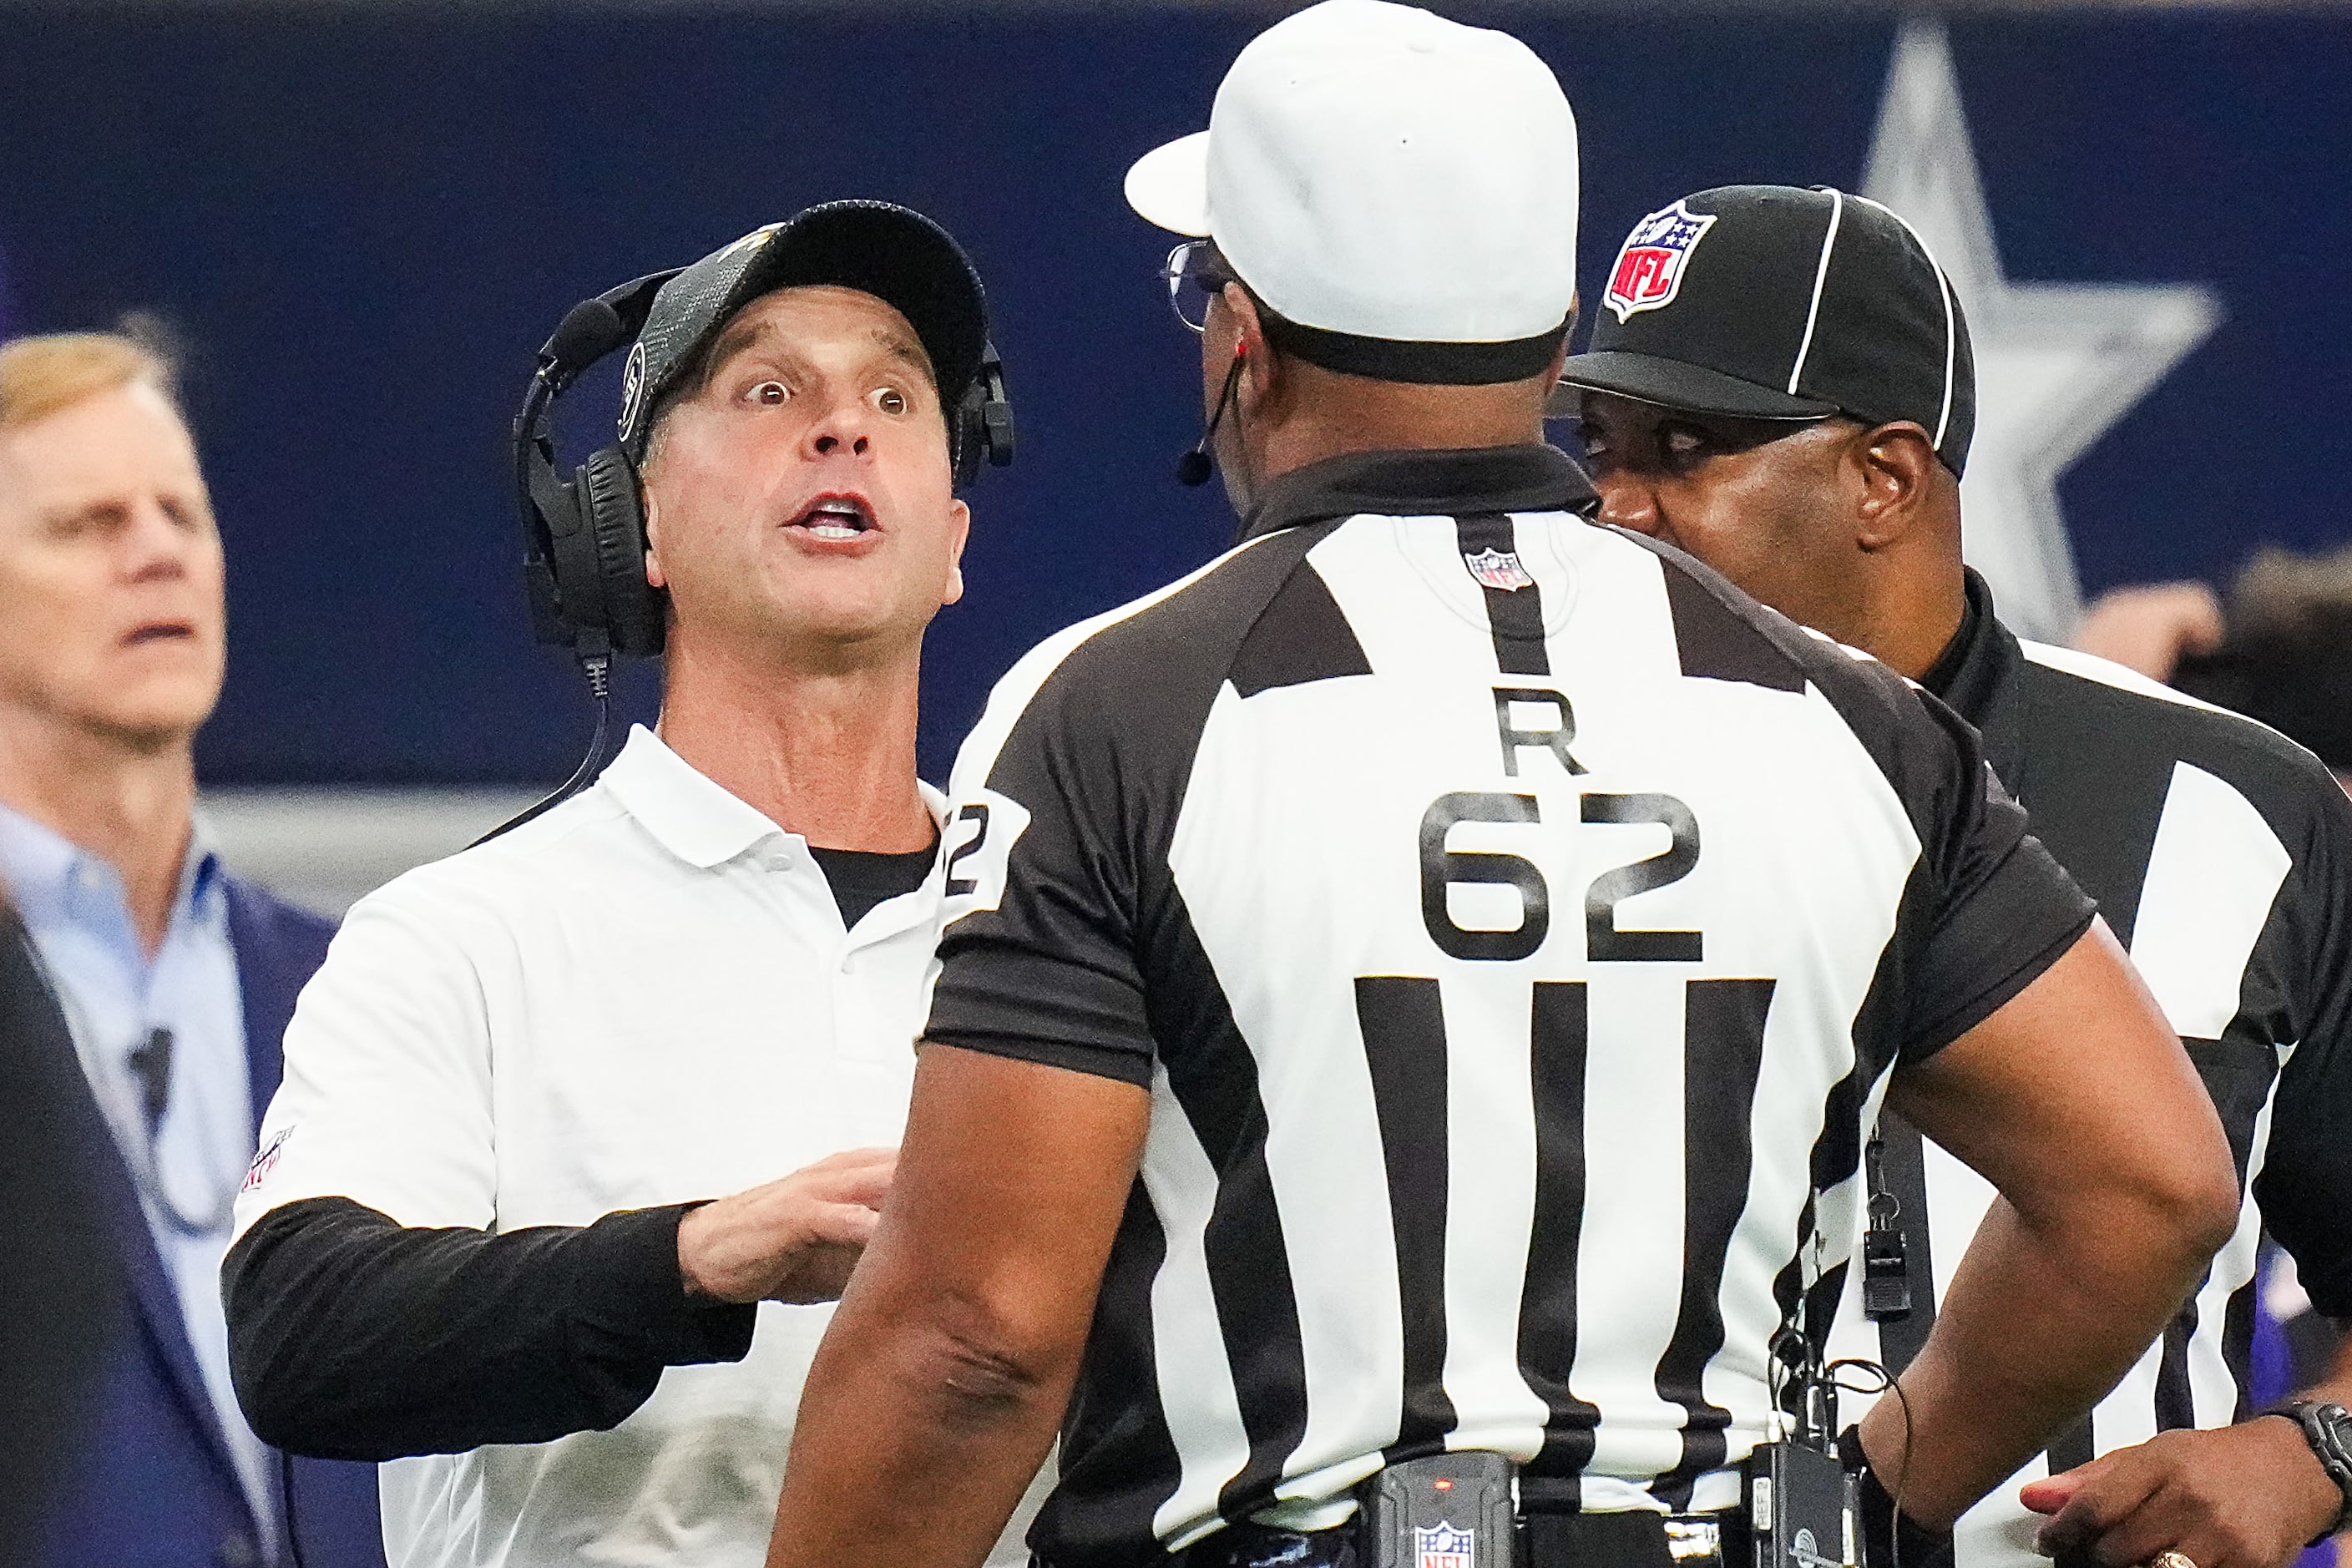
x=1795 y=410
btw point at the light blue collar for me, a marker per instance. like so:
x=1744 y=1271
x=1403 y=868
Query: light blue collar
x=57 y=882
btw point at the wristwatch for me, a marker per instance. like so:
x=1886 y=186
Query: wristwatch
x=2327 y=1427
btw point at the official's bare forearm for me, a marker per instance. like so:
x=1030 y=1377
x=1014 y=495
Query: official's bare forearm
x=2039 y=1324
x=930 y=1438
x=937 y=1388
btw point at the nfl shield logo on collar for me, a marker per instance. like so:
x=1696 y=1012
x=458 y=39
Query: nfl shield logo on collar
x=1498 y=569
x=1649 y=270
x=1442 y=1546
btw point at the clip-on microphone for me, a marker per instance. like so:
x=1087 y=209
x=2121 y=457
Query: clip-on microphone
x=1194 y=468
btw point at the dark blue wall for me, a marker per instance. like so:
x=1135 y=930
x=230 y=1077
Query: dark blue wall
x=364 y=222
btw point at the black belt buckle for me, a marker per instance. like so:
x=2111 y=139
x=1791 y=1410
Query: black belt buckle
x=1447 y=1510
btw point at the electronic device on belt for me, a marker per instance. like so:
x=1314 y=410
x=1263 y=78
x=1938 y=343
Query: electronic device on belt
x=1802 y=1505
x=1799 y=1504
x=1447 y=1510
x=1457 y=1510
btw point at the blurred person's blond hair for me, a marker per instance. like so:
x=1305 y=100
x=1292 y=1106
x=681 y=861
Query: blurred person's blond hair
x=49 y=373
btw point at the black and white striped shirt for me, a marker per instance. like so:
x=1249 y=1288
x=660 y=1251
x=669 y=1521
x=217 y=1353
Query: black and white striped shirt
x=2221 y=854
x=1514 y=927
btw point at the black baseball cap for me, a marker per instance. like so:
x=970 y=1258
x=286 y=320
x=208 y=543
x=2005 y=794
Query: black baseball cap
x=894 y=253
x=1773 y=302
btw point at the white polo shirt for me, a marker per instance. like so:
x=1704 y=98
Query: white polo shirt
x=644 y=998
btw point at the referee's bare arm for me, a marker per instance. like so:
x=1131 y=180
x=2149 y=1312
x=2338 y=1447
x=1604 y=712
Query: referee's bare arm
x=936 y=1393
x=2117 y=1187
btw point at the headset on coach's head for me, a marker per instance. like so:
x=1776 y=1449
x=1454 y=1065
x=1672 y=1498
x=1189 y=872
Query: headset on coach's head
x=585 y=538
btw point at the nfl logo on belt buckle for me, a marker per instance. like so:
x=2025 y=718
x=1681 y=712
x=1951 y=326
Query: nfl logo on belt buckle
x=1442 y=1546
x=1649 y=270
x=1498 y=569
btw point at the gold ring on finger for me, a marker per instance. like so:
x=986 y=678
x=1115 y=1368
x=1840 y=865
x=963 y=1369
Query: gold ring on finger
x=2171 y=1558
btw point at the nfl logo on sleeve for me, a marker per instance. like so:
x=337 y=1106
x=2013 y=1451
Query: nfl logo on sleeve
x=265 y=1162
x=1649 y=270
x=1442 y=1546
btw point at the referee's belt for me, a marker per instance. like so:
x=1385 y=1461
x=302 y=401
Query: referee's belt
x=1547 y=1540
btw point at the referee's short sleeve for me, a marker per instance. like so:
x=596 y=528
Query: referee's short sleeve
x=1039 y=955
x=387 y=1095
x=1996 y=909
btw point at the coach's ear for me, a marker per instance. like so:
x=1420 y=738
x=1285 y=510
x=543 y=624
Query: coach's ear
x=959 y=518
x=653 y=537
x=1898 y=466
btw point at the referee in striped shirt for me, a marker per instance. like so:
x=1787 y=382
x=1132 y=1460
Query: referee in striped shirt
x=1418 y=984
x=1794 y=407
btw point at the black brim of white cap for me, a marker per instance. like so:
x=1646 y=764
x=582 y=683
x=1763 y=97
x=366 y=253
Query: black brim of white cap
x=1675 y=383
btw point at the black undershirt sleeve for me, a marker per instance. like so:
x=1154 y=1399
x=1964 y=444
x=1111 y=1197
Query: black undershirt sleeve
x=353 y=1337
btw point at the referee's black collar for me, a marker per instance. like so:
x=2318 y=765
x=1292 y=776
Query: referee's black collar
x=1531 y=478
x=1977 y=677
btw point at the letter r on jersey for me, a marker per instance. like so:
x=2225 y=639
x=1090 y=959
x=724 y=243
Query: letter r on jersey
x=1555 y=739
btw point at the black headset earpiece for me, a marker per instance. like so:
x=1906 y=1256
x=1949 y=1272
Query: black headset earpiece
x=613 y=499
x=984 y=428
x=584 y=537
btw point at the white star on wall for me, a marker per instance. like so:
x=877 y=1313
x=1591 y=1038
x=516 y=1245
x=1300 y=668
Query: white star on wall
x=2057 y=363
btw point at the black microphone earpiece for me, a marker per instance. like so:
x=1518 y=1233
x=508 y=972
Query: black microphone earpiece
x=1194 y=467
x=589 y=331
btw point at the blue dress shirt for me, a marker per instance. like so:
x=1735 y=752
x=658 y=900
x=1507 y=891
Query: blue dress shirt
x=188 y=1161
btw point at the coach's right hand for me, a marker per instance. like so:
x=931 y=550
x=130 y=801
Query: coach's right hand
x=792 y=1240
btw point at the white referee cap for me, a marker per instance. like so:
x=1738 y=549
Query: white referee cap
x=1397 y=182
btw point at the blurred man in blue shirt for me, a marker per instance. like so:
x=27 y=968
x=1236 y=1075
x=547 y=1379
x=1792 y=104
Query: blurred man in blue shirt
x=174 y=979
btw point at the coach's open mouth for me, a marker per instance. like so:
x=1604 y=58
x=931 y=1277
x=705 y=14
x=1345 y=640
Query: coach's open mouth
x=840 y=515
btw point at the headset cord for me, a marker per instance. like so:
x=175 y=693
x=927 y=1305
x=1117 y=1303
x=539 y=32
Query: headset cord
x=597 y=668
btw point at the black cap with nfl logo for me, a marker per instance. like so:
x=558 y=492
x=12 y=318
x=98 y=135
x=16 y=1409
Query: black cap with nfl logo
x=1773 y=302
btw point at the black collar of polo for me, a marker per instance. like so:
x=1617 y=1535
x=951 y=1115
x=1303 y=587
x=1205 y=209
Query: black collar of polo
x=1448 y=483
x=1976 y=676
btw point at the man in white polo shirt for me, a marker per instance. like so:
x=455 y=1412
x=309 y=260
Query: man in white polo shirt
x=477 y=1241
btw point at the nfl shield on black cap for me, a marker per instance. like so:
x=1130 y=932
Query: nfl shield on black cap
x=1769 y=301
x=894 y=253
